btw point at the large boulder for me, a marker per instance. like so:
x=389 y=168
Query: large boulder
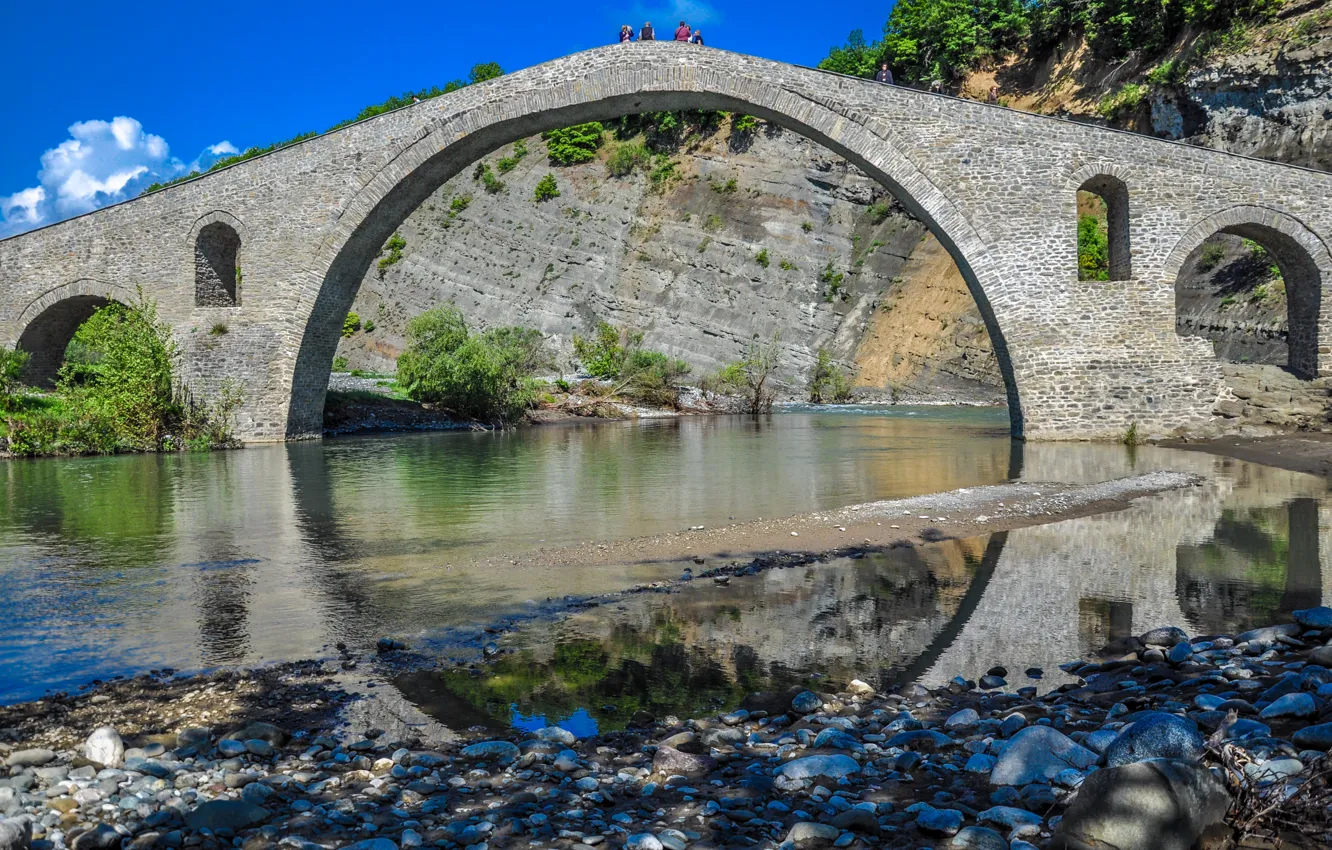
x=820 y=767
x=15 y=833
x=1159 y=804
x=669 y=760
x=226 y=814
x=1156 y=734
x=105 y=747
x=1314 y=618
x=1038 y=754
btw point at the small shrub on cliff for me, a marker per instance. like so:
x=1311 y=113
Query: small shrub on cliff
x=829 y=383
x=762 y=258
x=350 y=325
x=546 y=189
x=486 y=376
x=391 y=253
x=625 y=157
x=1123 y=99
x=1212 y=255
x=505 y=164
x=572 y=145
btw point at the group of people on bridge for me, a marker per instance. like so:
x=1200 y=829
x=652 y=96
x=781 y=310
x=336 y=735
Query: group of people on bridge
x=682 y=33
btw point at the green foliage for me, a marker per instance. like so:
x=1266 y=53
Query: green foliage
x=1212 y=255
x=857 y=57
x=562 y=385
x=725 y=188
x=602 y=355
x=369 y=325
x=486 y=376
x=878 y=212
x=488 y=179
x=572 y=145
x=219 y=329
x=339 y=364
x=1168 y=73
x=832 y=283
x=12 y=364
x=625 y=157
x=829 y=382
x=806 y=226
x=787 y=265
x=662 y=173
x=1093 y=248
x=750 y=376
x=484 y=71
x=1131 y=437
x=459 y=203
x=391 y=252
x=713 y=223
x=505 y=164
x=1124 y=99
x=743 y=125
x=762 y=257
x=546 y=189
x=350 y=325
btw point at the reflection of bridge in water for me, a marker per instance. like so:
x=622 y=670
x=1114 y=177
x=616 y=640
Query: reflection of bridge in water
x=1237 y=551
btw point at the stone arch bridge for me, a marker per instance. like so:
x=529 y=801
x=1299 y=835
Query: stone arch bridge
x=275 y=247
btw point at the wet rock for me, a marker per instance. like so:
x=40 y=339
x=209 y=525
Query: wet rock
x=1179 y=653
x=226 y=814
x=229 y=748
x=1269 y=634
x=372 y=844
x=992 y=683
x=856 y=820
x=100 y=837
x=105 y=747
x=1322 y=656
x=806 y=702
x=1318 y=737
x=1158 y=804
x=838 y=740
x=669 y=760
x=30 y=758
x=1018 y=821
x=258 y=730
x=1290 y=705
x=500 y=751
x=1314 y=618
x=1167 y=636
x=1038 y=754
x=820 y=767
x=979 y=838
x=922 y=740
x=643 y=841
x=942 y=821
x=15 y=833
x=808 y=834
x=964 y=719
x=557 y=735
x=1156 y=734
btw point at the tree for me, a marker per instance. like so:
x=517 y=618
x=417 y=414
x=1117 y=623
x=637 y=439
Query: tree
x=572 y=145
x=751 y=376
x=856 y=58
x=829 y=382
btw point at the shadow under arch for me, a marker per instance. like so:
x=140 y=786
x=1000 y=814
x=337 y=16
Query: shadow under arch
x=1306 y=268
x=452 y=142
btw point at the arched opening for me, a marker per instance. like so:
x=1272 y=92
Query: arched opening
x=216 y=266
x=1255 y=292
x=360 y=239
x=47 y=336
x=1103 y=229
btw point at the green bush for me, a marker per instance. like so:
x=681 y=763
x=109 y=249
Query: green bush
x=724 y=188
x=1126 y=98
x=625 y=157
x=832 y=282
x=652 y=378
x=787 y=265
x=662 y=173
x=751 y=376
x=392 y=252
x=743 y=125
x=572 y=145
x=339 y=364
x=829 y=382
x=1212 y=255
x=488 y=179
x=1093 y=249
x=505 y=164
x=350 y=325
x=546 y=189
x=879 y=212
x=486 y=376
x=762 y=257
x=602 y=355
x=807 y=226
x=12 y=364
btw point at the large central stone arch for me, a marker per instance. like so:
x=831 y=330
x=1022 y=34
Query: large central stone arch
x=439 y=152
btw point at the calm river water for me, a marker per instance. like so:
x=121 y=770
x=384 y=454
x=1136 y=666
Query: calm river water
x=118 y=565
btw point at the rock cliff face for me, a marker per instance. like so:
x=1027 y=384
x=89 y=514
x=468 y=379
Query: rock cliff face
x=684 y=265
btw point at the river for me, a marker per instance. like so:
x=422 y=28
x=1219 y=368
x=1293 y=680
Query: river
x=118 y=565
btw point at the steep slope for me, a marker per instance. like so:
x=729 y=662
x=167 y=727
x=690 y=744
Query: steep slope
x=678 y=259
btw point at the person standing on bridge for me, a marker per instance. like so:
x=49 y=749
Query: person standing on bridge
x=697 y=38
x=626 y=34
x=646 y=34
x=884 y=75
x=682 y=32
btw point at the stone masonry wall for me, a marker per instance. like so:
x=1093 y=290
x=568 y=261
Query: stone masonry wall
x=1082 y=359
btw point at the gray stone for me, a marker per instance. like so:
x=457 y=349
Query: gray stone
x=372 y=844
x=226 y=814
x=1317 y=737
x=15 y=833
x=1314 y=618
x=923 y=740
x=1322 y=656
x=230 y=748
x=669 y=760
x=820 y=767
x=1157 y=804
x=806 y=702
x=1290 y=705
x=809 y=834
x=30 y=758
x=557 y=735
x=1156 y=734
x=499 y=751
x=1167 y=636
x=964 y=719
x=943 y=821
x=979 y=838
x=101 y=837
x=105 y=747
x=1269 y=634
x=643 y=841
x=837 y=740
x=1038 y=754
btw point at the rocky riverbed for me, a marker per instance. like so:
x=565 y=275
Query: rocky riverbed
x=1162 y=741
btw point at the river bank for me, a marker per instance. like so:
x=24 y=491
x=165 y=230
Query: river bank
x=1305 y=451
x=1186 y=728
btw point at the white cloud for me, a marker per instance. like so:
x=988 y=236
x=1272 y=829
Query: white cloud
x=102 y=162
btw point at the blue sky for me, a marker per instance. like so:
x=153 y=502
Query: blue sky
x=109 y=97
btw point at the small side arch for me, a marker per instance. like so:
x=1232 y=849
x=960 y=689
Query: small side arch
x=1306 y=268
x=48 y=324
x=1109 y=186
x=215 y=241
